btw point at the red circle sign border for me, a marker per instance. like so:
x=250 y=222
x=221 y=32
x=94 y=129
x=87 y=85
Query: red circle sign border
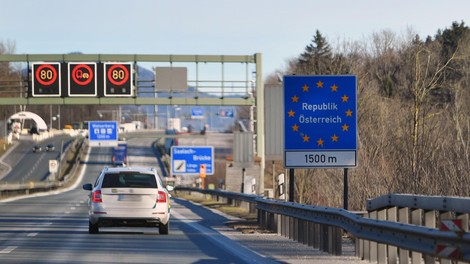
x=121 y=66
x=82 y=83
x=54 y=74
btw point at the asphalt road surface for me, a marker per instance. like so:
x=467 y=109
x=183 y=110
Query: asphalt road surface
x=53 y=228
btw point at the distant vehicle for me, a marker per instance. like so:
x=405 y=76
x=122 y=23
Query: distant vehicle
x=119 y=156
x=37 y=148
x=50 y=147
x=128 y=197
x=119 y=163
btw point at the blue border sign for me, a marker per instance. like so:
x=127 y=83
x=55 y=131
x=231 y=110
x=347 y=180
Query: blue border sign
x=320 y=121
x=187 y=160
x=103 y=133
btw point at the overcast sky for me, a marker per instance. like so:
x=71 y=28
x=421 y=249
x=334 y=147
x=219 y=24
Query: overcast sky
x=279 y=29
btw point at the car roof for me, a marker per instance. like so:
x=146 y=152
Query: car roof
x=131 y=169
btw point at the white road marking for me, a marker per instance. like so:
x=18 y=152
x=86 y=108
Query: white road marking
x=237 y=249
x=8 y=250
x=32 y=234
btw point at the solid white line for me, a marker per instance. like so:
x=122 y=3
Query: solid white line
x=32 y=234
x=237 y=249
x=8 y=250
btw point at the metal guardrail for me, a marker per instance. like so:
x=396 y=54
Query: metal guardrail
x=433 y=212
x=377 y=240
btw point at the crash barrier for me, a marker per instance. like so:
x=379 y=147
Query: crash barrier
x=377 y=237
x=26 y=188
x=448 y=215
x=247 y=201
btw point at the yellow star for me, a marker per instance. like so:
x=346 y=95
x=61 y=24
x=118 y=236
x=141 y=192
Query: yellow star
x=334 y=88
x=305 y=88
x=291 y=113
x=345 y=127
x=306 y=138
x=295 y=127
x=349 y=112
x=320 y=142
x=320 y=84
x=334 y=138
x=295 y=99
x=345 y=98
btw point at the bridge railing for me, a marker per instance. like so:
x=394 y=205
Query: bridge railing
x=434 y=212
x=378 y=239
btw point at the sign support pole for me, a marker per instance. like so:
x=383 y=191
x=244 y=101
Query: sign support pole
x=243 y=181
x=291 y=185
x=345 y=191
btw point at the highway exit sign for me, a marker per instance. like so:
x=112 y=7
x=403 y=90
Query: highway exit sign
x=320 y=121
x=188 y=160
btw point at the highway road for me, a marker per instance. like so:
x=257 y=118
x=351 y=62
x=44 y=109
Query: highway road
x=53 y=228
x=29 y=165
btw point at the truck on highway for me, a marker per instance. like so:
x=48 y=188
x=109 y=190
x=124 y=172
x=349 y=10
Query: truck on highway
x=119 y=155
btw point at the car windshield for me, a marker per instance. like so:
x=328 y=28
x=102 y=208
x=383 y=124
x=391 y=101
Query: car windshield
x=129 y=180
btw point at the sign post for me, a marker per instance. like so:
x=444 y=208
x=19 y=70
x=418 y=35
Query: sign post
x=82 y=79
x=103 y=133
x=192 y=160
x=320 y=123
x=46 y=79
x=118 y=79
x=202 y=174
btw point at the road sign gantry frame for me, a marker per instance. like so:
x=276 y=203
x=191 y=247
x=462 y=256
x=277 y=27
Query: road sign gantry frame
x=225 y=101
x=255 y=59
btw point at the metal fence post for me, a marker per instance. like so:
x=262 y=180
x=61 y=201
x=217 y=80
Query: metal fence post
x=382 y=248
x=416 y=219
x=316 y=235
x=404 y=217
x=392 y=250
x=372 y=244
x=429 y=221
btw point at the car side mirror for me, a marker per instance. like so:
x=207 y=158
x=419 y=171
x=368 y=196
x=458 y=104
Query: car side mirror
x=170 y=188
x=88 y=186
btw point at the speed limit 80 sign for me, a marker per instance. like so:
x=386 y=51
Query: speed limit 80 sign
x=118 y=79
x=46 y=79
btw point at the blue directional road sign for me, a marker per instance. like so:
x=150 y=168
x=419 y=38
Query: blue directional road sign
x=320 y=121
x=188 y=159
x=197 y=113
x=226 y=112
x=103 y=133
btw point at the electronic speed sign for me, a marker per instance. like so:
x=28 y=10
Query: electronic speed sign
x=46 y=79
x=82 y=79
x=118 y=79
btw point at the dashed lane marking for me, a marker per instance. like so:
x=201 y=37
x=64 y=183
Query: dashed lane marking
x=8 y=249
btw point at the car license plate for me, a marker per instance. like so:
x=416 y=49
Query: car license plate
x=129 y=197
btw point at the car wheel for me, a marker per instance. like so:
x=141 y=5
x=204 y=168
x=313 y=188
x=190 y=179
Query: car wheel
x=93 y=228
x=163 y=229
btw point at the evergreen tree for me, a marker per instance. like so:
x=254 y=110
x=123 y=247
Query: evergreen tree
x=317 y=57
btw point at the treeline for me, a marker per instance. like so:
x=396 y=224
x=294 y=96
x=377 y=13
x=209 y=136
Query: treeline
x=413 y=115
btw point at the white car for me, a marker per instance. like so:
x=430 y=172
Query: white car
x=126 y=196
